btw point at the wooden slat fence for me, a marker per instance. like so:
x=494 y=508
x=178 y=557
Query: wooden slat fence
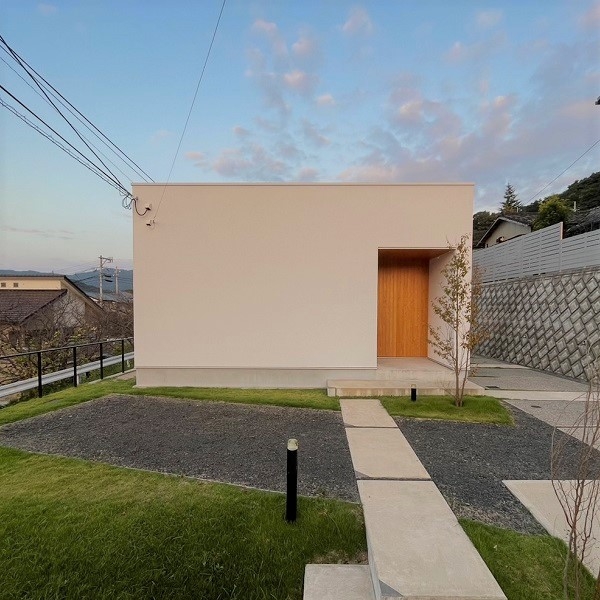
x=542 y=251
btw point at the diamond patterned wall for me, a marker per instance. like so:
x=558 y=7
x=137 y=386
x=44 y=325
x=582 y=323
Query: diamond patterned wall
x=548 y=322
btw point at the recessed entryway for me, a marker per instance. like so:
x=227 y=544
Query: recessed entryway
x=403 y=304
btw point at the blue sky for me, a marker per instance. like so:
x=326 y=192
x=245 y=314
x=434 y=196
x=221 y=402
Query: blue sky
x=386 y=91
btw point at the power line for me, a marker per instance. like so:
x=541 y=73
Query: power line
x=22 y=64
x=191 y=107
x=75 y=115
x=88 y=165
x=563 y=172
x=72 y=109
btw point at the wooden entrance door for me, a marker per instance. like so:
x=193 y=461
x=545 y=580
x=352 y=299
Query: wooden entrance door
x=402 y=305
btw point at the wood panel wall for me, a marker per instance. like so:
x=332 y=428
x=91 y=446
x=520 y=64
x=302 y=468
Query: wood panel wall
x=403 y=305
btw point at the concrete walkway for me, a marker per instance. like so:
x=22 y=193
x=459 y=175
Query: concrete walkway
x=417 y=549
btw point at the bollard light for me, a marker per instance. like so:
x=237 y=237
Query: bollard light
x=291 y=501
x=413 y=392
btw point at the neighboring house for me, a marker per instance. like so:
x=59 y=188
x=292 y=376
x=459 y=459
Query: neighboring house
x=32 y=302
x=583 y=221
x=288 y=285
x=505 y=228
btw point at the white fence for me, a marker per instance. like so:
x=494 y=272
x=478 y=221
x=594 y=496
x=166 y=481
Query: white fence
x=542 y=251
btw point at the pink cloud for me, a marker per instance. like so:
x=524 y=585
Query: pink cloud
x=590 y=20
x=251 y=163
x=358 y=23
x=271 y=32
x=300 y=81
x=305 y=47
x=325 y=100
x=240 y=131
x=489 y=18
x=313 y=135
x=307 y=174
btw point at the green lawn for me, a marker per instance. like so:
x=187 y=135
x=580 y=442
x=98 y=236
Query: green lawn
x=476 y=409
x=527 y=567
x=76 y=529
x=89 y=391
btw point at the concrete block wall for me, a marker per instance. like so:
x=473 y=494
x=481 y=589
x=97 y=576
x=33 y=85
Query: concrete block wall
x=547 y=322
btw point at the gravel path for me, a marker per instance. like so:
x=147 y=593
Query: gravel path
x=469 y=461
x=233 y=443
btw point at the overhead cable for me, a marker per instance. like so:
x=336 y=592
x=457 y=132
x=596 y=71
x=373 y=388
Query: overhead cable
x=563 y=172
x=72 y=154
x=70 y=107
x=187 y=120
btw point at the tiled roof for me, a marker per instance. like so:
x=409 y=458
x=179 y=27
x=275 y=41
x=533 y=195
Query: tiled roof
x=16 y=306
x=523 y=218
x=584 y=220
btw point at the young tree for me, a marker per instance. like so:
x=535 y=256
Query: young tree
x=511 y=203
x=576 y=482
x=552 y=210
x=458 y=309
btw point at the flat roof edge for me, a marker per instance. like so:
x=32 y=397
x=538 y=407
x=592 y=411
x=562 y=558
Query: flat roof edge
x=302 y=184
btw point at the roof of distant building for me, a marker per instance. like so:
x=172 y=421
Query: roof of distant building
x=524 y=219
x=584 y=220
x=16 y=306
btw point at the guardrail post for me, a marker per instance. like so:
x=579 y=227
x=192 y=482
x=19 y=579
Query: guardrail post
x=122 y=356
x=101 y=361
x=74 y=366
x=39 y=374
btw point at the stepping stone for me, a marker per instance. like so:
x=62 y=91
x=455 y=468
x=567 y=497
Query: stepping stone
x=417 y=549
x=383 y=453
x=338 y=582
x=540 y=499
x=365 y=413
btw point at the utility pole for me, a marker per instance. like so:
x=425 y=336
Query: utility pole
x=103 y=260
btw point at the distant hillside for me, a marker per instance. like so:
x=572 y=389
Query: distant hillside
x=586 y=192
x=88 y=281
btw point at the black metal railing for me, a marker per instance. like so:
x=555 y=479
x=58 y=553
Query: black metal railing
x=102 y=345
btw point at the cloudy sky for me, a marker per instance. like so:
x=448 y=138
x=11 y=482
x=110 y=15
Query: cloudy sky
x=384 y=91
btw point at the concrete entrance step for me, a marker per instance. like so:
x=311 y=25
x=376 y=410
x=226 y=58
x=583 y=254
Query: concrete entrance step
x=417 y=549
x=364 y=388
x=338 y=582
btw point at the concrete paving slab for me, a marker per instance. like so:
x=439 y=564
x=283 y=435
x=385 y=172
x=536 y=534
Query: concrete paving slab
x=538 y=396
x=525 y=379
x=583 y=434
x=383 y=453
x=365 y=413
x=556 y=413
x=541 y=501
x=417 y=549
x=338 y=582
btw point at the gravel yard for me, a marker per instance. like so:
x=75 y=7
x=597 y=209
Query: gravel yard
x=233 y=443
x=246 y=444
x=469 y=461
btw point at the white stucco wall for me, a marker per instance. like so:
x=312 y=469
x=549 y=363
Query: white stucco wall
x=273 y=277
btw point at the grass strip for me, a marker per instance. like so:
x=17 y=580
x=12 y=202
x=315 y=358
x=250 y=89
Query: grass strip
x=525 y=566
x=476 y=409
x=75 y=529
x=90 y=391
